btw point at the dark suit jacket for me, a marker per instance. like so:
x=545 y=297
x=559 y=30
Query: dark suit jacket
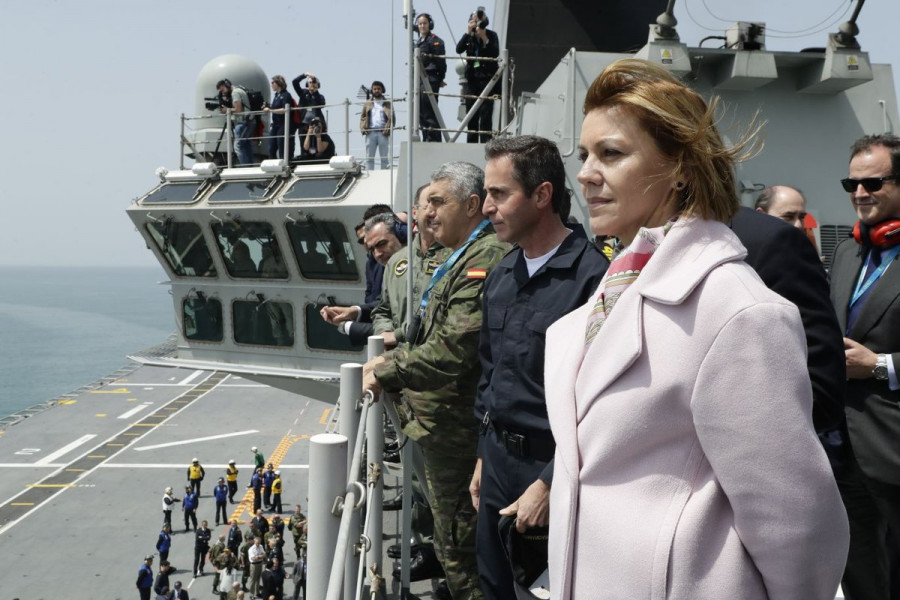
x=873 y=413
x=787 y=263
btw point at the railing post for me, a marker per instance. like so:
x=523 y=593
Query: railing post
x=287 y=140
x=348 y=424
x=229 y=136
x=346 y=125
x=181 y=145
x=415 y=95
x=327 y=480
x=375 y=453
x=504 y=91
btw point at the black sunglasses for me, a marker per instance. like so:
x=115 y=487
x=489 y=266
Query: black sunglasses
x=871 y=184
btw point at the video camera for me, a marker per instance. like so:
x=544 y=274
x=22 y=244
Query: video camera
x=218 y=101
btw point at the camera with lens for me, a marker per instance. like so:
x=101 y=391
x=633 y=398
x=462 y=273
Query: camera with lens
x=481 y=18
x=316 y=125
x=216 y=102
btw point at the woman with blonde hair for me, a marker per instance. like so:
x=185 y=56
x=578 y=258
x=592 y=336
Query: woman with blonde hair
x=687 y=466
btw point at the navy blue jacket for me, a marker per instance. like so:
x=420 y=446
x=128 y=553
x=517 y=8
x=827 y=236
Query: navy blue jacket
x=164 y=542
x=256 y=482
x=191 y=501
x=221 y=492
x=145 y=577
x=517 y=312
x=268 y=479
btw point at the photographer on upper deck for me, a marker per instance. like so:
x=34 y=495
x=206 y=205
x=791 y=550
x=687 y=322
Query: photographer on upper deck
x=477 y=42
x=236 y=99
x=310 y=99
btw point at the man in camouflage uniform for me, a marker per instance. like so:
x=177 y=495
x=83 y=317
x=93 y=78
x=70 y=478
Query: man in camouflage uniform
x=244 y=560
x=214 y=553
x=438 y=368
x=225 y=561
x=389 y=318
x=297 y=527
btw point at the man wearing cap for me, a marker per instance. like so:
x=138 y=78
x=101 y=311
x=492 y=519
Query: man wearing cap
x=144 y=581
x=231 y=475
x=276 y=493
x=256 y=482
x=168 y=500
x=189 y=505
x=268 y=480
x=195 y=474
x=259 y=461
x=221 y=494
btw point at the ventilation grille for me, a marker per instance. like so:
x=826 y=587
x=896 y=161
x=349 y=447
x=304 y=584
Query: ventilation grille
x=831 y=236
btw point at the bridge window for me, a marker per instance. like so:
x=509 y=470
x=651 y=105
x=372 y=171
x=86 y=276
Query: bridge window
x=256 y=190
x=202 y=319
x=323 y=250
x=263 y=323
x=324 y=336
x=176 y=193
x=250 y=249
x=183 y=246
x=320 y=188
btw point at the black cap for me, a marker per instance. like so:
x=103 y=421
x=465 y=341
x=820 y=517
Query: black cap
x=526 y=552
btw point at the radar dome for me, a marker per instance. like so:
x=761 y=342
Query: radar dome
x=238 y=69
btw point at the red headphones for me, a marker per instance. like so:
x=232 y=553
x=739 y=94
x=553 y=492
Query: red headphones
x=881 y=235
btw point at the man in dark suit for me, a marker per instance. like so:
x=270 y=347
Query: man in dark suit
x=865 y=289
x=787 y=263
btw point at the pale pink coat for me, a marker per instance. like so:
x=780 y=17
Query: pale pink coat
x=686 y=462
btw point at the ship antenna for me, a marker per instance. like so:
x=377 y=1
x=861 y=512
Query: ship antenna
x=848 y=31
x=666 y=22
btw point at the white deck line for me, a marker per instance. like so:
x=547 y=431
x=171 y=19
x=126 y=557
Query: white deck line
x=195 y=440
x=65 y=450
x=135 y=410
x=190 y=378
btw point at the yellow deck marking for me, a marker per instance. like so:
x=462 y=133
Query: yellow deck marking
x=324 y=418
x=50 y=485
x=116 y=445
x=116 y=391
x=21 y=503
x=131 y=433
x=96 y=456
x=131 y=400
x=100 y=415
x=76 y=470
x=169 y=408
x=66 y=402
x=246 y=503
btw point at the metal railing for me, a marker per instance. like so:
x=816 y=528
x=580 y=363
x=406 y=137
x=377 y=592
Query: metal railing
x=424 y=86
x=223 y=146
x=337 y=494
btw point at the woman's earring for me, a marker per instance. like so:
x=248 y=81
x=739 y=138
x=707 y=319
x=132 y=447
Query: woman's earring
x=679 y=185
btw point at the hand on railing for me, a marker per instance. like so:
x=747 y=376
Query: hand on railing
x=370 y=384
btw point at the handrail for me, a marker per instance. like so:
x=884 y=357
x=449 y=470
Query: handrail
x=335 y=580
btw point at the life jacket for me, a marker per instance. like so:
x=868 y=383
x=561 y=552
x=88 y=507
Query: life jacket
x=196 y=471
x=231 y=473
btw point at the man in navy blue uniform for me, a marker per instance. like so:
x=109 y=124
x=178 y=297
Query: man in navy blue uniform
x=144 y=581
x=553 y=270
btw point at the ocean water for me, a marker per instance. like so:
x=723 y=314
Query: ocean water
x=61 y=328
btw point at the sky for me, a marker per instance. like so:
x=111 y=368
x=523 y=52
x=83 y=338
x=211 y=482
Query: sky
x=109 y=79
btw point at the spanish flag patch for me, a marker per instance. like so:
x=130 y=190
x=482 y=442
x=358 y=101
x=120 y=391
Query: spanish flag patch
x=476 y=274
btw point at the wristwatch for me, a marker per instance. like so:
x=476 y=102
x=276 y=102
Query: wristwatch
x=880 y=371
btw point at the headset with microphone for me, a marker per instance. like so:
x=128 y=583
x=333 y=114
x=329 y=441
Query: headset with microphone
x=881 y=235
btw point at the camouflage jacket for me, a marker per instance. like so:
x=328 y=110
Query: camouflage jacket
x=439 y=370
x=390 y=314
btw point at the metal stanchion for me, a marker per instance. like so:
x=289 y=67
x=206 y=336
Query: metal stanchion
x=327 y=480
x=229 y=137
x=375 y=452
x=348 y=425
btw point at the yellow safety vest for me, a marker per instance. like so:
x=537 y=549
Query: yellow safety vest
x=195 y=471
x=276 y=486
x=231 y=473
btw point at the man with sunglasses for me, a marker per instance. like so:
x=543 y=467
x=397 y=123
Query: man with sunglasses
x=865 y=290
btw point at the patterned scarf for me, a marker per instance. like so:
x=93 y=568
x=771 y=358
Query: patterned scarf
x=622 y=272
